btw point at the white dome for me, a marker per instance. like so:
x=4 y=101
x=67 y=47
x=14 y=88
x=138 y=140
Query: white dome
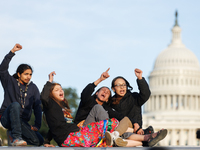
x=174 y=68
x=173 y=57
x=176 y=55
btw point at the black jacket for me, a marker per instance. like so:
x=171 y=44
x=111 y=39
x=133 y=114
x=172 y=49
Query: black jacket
x=87 y=103
x=59 y=129
x=130 y=105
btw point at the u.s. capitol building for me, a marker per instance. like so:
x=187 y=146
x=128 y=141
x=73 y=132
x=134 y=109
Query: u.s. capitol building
x=174 y=103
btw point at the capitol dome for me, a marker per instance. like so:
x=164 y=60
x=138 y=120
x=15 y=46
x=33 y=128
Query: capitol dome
x=176 y=54
x=176 y=67
x=174 y=103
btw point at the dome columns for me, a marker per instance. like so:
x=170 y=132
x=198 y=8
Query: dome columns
x=174 y=102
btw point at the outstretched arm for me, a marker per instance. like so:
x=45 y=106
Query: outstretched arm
x=17 y=47
x=4 y=74
x=103 y=76
x=51 y=76
x=145 y=92
x=138 y=73
x=89 y=89
x=46 y=90
x=143 y=95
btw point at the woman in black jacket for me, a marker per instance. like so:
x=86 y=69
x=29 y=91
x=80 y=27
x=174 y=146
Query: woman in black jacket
x=128 y=103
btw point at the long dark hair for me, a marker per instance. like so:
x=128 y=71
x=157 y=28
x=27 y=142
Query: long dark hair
x=21 y=68
x=115 y=100
x=63 y=104
x=129 y=87
x=109 y=99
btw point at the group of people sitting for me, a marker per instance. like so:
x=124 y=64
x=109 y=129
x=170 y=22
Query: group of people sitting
x=101 y=120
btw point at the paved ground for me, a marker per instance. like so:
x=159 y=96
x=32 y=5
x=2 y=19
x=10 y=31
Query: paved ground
x=104 y=148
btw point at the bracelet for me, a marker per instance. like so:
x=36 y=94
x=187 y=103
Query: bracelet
x=138 y=129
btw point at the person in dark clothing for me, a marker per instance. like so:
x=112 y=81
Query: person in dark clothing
x=87 y=101
x=101 y=97
x=64 y=133
x=68 y=134
x=129 y=103
x=20 y=97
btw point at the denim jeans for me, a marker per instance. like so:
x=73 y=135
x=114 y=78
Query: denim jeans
x=19 y=128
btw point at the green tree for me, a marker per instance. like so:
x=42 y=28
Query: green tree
x=3 y=135
x=73 y=99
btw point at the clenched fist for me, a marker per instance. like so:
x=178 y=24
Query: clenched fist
x=17 y=47
x=138 y=73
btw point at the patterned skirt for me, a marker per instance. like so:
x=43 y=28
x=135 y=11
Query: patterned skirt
x=92 y=135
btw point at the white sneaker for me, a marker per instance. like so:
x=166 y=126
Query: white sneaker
x=19 y=142
x=120 y=142
x=109 y=138
x=112 y=138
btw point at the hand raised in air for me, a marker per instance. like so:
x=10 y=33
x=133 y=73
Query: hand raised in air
x=51 y=76
x=17 y=47
x=105 y=75
x=138 y=73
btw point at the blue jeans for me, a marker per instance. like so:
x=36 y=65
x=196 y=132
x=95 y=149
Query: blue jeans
x=20 y=129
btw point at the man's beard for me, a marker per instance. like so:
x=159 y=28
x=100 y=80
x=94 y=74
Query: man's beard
x=22 y=82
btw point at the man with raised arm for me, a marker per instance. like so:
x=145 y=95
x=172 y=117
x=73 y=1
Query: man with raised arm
x=20 y=96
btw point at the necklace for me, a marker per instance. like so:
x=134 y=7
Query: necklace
x=25 y=94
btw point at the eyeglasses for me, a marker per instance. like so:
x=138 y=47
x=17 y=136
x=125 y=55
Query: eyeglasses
x=120 y=85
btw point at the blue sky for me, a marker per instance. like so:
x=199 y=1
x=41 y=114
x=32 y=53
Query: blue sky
x=81 y=39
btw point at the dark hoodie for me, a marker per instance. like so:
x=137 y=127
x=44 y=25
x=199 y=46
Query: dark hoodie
x=12 y=93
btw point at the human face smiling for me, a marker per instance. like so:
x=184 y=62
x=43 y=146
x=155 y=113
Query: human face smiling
x=25 y=77
x=58 y=93
x=103 y=94
x=120 y=87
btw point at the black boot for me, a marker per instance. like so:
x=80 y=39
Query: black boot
x=145 y=144
x=148 y=130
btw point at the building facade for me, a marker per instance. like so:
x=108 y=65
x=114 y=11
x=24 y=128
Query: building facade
x=174 y=103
